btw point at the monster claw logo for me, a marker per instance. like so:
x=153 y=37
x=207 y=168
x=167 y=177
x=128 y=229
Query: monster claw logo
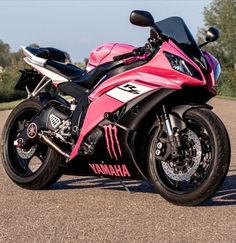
x=32 y=130
x=112 y=142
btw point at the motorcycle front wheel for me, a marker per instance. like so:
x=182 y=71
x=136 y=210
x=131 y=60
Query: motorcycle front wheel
x=35 y=168
x=196 y=176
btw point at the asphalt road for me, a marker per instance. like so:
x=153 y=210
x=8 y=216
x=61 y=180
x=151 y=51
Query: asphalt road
x=92 y=209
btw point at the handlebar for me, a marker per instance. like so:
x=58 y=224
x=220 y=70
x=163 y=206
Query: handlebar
x=153 y=42
x=136 y=52
x=123 y=56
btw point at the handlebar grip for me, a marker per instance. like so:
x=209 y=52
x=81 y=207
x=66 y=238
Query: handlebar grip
x=123 y=56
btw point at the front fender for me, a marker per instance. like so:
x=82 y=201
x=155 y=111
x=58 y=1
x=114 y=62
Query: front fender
x=176 y=114
x=180 y=110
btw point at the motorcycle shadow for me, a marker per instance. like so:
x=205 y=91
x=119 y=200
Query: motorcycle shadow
x=225 y=196
x=103 y=183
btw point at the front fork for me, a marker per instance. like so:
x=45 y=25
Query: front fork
x=174 y=123
x=173 y=133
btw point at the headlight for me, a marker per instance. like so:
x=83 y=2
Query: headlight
x=182 y=66
x=217 y=72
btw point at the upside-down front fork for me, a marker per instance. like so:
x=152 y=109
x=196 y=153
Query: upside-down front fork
x=173 y=134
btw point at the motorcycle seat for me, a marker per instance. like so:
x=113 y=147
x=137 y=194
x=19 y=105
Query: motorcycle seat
x=48 y=53
x=89 y=79
x=68 y=71
x=77 y=75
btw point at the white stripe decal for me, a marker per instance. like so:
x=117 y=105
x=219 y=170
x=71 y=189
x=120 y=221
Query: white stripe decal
x=128 y=91
x=56 y=78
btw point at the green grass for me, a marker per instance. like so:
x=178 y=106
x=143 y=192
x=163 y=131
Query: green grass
x=226 y=97
x=9 y=105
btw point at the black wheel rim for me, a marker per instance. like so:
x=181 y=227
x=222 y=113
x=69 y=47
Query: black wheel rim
x=207 y=157
x=19 y=166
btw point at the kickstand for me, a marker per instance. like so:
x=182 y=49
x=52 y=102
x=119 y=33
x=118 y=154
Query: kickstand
x=123 y=184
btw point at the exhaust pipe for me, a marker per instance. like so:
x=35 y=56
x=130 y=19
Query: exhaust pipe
x=45 y=139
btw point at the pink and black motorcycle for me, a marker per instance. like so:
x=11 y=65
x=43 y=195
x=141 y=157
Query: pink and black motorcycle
x=134 y=113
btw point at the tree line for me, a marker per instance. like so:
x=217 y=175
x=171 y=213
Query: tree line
x=220 y=13
x=10 y=63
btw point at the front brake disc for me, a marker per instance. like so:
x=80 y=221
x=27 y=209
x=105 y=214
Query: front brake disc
x=190 y=165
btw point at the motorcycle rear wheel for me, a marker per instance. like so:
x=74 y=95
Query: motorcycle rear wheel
x=214 y=159
x=41 y=166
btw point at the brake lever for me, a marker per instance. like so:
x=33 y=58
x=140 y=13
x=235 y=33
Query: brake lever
x=140 y=51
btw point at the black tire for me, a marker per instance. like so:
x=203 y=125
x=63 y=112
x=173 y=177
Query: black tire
x=48 y=172
x=218 y=162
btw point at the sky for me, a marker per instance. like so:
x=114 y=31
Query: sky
x=78 y=26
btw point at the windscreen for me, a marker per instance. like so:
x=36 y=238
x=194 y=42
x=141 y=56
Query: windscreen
x=177 y=30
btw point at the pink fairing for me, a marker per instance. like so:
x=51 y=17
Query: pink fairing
x=212 y=64
x=153 y=75
x=106 y=52
x=95 y=114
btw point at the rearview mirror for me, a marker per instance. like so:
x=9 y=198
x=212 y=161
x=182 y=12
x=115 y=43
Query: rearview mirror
x=141 y=18
x=212 y=34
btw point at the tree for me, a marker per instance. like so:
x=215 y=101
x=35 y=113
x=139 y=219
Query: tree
x=7 y=83
x=5 y=59
x=11 y=62
x=83 y=64
x=221 y=13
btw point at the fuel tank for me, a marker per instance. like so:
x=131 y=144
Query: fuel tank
x=105 y=53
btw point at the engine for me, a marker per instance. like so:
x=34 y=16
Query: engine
x=57 y=122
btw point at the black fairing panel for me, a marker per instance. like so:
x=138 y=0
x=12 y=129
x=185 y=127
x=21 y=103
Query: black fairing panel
x=73 y=89
x=46 y=97
x=28 y=78
x=123 y=68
